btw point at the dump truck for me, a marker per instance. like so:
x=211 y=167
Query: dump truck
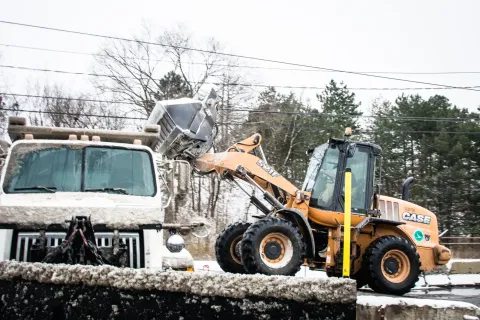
x=89 y=196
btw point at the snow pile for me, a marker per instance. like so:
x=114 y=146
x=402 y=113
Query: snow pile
x=332 y=290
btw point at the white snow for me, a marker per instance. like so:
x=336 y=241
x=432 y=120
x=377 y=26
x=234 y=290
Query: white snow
x=437 y=280
x=464 y=279
x=420 y=282
x=378 y=301
x=212 y=266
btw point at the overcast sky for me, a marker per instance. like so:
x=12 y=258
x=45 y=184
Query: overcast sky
x=403 y=36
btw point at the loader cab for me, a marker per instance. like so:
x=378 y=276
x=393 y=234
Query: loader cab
x=325 y=175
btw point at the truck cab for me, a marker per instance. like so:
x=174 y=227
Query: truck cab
x=56 y=182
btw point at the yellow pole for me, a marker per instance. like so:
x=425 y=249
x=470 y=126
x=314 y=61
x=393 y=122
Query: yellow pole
x=347 y=222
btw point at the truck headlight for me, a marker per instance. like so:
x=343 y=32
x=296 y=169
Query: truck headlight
x=175 y=243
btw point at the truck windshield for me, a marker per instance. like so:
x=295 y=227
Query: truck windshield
x=78 y=169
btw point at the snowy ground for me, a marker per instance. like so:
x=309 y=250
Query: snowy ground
x=441 y=288
x=429 y=281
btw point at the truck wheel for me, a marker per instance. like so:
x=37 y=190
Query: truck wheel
x=227 y=247
x=272 y=246
x=392 y=264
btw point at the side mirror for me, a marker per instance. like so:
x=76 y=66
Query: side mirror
x=175 y=243
x=183 y=176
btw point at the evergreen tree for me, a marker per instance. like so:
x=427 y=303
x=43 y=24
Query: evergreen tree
x=172 y=86
x=338 y=107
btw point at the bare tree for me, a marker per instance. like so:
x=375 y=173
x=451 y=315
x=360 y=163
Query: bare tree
x=139 y=72
x=56 y=107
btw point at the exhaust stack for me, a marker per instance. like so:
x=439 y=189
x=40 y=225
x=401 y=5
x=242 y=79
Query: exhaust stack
x=406 y=187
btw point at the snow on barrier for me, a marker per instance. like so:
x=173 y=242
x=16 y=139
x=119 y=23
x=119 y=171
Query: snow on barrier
x=381 y=307
x=46 y=291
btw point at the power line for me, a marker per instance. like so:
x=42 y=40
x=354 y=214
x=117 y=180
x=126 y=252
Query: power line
x=316 y=114
x=364 y=131
x=237 y=123
x=231 y=55
x=65 y=98
x=239 y=84
x=241 y=66
x=76 y=114
x=347 y=115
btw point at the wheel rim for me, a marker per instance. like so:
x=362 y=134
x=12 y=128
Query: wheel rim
x=395 y=266
x=234 y=249
x=276 y=250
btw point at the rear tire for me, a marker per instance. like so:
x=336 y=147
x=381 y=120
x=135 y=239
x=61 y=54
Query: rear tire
x=272 y=246
x=392 y=265
x=227 y=248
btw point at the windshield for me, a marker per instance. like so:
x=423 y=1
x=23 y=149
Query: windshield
x=324 y=184
x=37 y=168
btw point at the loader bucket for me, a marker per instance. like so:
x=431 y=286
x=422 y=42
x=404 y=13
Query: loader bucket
x=186 y=126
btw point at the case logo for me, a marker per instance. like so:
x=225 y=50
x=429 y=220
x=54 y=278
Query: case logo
x=267 y=168
x=415 y=217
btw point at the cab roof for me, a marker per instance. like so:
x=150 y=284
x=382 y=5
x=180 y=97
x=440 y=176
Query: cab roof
x=377 y=150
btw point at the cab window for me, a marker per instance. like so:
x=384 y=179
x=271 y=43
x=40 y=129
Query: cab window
x=359 y=165
x=324 y=186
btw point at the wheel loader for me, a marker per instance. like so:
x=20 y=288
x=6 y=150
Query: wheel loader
x=391 y=240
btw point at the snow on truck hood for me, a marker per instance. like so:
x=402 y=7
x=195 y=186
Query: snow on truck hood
x=28 y=211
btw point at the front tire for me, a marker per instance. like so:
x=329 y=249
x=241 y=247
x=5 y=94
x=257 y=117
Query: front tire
x=392 y=264
x=272 y=246
x=227 y=247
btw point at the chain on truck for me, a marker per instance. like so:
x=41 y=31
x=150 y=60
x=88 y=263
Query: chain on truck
x=88 y=196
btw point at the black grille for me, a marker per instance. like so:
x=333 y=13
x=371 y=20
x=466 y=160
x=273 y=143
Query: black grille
x=25 y=240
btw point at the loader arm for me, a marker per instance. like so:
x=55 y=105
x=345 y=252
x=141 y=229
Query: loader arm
x=242 y=154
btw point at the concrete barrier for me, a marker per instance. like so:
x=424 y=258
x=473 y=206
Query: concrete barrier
x=42 y=291
x=465 y=266
x=381 y=308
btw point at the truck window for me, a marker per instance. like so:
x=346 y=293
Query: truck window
x=59 y=169
x=119 y=168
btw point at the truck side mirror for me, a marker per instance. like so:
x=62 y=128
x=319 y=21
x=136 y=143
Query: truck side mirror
x=183 y=176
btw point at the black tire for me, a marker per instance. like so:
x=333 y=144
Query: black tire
x=395 y=250
x=284 y=242
x=226 y=252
